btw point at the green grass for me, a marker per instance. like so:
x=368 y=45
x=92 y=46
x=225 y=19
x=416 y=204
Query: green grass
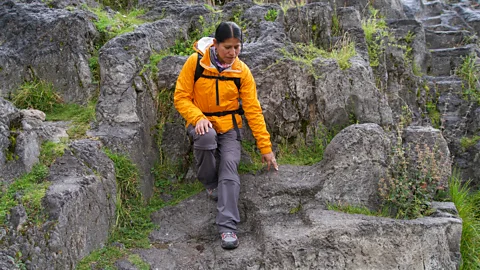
x=38 y=95
x=120 y=23
x=355 y=209
x=271 y=15
x=305 y=54
x=469 y=72
x=375 y=29
x=467 y=204
x=80 y=116
x=32 y=186
x=467 y=142
x=298 y=153
x=133 y=223
x=433 y=114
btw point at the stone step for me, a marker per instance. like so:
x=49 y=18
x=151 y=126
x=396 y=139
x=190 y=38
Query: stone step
x=444 y=84
x=442 y=27
x=434 y=8
x=447 y=39
x=449 y=18
x=444 y=62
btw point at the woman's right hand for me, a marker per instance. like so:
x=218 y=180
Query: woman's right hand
x=202 y=126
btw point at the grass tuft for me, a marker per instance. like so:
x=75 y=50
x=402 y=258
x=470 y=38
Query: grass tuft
x=38 y=95
x=467 y=204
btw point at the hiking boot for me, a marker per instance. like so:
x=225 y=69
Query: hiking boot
x=229 y=240
x=212 y=194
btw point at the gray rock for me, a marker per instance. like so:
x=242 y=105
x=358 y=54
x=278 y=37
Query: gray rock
x=417 y=138
x=28 y=149
x=392 y=9
x=403 y=28
x=46 y=44
x=18 y=217
x=309 y=23
x=125 y=265
x=295 y=96
x=284 y=227
x=80 y=208
x=126 y=110
x=7 y=262
x=354 y=162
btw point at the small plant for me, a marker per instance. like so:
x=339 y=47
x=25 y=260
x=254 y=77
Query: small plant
x=376 y=31
x=468 y=142
x=120 y=23
x=305 y=54
x=469 y=73
x=271 y=15
x=336 y=30
x=433 y=114
x=185 y=46
x=38 y=95
x=467 y=204
x=94 y=68
x=410 y=185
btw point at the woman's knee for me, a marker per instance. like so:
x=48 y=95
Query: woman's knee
x=207 y=141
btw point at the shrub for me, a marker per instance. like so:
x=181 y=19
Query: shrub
x=376 y=31
x=410 y=185
x=271 y=15
x=469 y=71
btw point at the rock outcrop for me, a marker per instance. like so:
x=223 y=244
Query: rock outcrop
x=80 y=206
x=40 y=43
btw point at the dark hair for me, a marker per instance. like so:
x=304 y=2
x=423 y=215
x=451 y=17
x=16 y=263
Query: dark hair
x=226 y=30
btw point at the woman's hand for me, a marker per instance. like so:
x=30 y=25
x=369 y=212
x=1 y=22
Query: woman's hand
x=202 y=126
x=271 y=161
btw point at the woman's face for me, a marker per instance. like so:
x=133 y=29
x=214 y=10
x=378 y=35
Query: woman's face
x=227 y=50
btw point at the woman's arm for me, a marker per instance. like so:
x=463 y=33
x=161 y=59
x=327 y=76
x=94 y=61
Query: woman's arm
x=183 y=96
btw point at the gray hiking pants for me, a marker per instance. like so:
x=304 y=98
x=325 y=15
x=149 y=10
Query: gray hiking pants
x=218 y=156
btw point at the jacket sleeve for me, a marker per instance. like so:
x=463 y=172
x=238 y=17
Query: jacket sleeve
x=253 y=113
x=183 y=96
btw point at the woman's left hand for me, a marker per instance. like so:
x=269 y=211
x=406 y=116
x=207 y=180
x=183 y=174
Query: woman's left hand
x=270 y=160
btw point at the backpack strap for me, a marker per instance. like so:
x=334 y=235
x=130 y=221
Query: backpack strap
x=199 y=73
x=199 y=69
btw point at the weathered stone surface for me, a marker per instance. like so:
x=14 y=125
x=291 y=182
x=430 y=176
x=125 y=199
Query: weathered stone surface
x=284 y=227
x=427 y=139
x=7 y=262
x=18 y=217
x=410 y=33
x=354 y=162
x=294 y=96
x=47 y=44
x=392 y=9
x=8 y=113
x=127 y=106
x=80 y=205
x=310 y=23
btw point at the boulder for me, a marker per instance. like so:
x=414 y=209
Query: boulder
x=80 y=208
x=421 y=141
x=40 y=43
x=354 y=162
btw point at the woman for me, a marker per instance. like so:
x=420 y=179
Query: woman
x=208 y=93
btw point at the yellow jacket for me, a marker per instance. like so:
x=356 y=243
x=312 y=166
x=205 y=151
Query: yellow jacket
x=191 y=100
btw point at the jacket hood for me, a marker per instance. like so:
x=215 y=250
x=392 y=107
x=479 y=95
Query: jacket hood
x=203 y=44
